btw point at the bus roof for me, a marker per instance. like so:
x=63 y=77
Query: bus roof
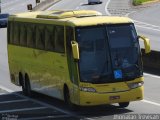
x=69 y=17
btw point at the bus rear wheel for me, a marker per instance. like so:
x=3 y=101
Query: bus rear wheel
x=123 y=104
x=28 y=86
x=22 y=82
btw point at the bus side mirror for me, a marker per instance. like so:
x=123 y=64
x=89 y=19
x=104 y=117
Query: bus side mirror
x=75 y=50
x=146 y=44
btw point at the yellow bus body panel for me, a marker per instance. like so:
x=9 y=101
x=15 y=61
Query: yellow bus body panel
x=105 y=91
x=47 y=17
x=90 y=99
x=47 y=71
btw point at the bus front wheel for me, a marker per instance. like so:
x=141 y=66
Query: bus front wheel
x=123 y=104
x=67 y=99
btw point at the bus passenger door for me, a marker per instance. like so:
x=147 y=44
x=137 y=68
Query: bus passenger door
x=74 y=79
x=72 y=67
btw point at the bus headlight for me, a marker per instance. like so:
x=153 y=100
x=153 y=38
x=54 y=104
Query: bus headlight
x=135 y=85
x=87 y=89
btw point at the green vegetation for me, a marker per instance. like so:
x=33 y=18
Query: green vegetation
x=139 y=2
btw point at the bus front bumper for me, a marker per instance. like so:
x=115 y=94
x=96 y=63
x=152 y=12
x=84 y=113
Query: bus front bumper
x=94 y=98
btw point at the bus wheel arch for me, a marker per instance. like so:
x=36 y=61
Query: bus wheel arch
x=67 y=98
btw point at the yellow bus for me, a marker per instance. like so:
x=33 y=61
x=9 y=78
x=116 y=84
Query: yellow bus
x=80 y=56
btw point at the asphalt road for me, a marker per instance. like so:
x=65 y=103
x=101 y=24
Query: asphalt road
x=14 y=104
x=15 y=6
x=148 y=23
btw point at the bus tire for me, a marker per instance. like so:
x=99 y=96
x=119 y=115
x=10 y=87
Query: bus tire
x=28 y=86
x=20 y=79
x=67 y=99
x=22 y=83
x=123 y=104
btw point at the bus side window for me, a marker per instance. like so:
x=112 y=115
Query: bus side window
x=16 y=36
x=31 y=42
x=10 y=31
x=23 y=35
x=40 y=37
x=49 y=38
x=59 y=39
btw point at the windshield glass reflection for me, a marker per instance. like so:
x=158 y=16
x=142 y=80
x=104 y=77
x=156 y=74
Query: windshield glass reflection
x=108 y=53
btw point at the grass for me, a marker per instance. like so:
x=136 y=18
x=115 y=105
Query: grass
x=140 y=2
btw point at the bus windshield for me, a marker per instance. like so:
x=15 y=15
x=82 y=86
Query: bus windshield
x=109 y=53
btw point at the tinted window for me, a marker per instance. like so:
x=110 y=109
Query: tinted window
x=40 y=37
x=94 y=60
x=59 y=39
x=16 y=33
x=10 y=32
x=121 y=36
x=50 y=37
x=31 y=33
x=23 y=34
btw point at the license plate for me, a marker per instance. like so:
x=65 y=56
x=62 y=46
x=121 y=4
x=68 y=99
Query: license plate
x=114 y=97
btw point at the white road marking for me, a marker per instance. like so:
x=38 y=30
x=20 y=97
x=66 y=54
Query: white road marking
x=150 y=102
x=106 y=8
x=45 y=117
x=146 y=24
x=23 y=109
x=6 y=89
x=11 y=8
x=13 y=101
x=45 y=104
x=2 y=93
x=129 y=13
x=154 y=76
x=148 y=28
x=89 y=119
x=77 y=8
x=36 y=101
